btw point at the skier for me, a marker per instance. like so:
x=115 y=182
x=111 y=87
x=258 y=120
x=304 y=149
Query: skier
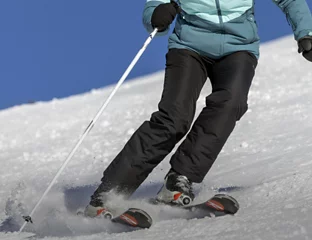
x=215 y=39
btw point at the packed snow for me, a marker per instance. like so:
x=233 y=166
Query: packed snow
x=266 y=163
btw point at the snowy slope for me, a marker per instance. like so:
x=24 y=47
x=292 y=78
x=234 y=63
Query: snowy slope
x=268 y=156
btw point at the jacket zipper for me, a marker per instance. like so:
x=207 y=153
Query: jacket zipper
x=221 y=24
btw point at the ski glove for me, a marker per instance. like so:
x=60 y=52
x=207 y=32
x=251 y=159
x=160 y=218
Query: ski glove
x=305 y=47
x=164 y=15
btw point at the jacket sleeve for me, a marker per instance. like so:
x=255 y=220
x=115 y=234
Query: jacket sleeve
x=298 y=15
x=150 y=5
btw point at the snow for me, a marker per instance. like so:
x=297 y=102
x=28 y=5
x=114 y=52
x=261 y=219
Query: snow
x=266 y=163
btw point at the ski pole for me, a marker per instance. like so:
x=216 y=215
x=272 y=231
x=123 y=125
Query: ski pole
x=89 y=127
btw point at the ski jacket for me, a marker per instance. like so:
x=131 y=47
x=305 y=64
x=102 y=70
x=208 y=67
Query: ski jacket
x=215 y=28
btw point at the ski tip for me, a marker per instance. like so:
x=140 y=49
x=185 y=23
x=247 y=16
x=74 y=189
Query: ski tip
x=224 y=202
x=135 y=217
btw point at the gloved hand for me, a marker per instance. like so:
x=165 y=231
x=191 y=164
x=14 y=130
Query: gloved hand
x=305 y=47
x=164 y=15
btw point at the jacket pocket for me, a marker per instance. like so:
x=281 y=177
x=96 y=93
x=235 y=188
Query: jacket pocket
x=254 y=28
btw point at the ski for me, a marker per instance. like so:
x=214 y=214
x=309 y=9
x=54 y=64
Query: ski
x=217 y=206
x=133 y=219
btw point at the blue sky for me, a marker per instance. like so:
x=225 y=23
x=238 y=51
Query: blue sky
x=57 y=48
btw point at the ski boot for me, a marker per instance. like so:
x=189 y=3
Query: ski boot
x=96 y=209
x=98 y=212
x=177 y=190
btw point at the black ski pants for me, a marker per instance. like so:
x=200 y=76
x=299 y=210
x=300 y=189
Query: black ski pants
x=185 y=75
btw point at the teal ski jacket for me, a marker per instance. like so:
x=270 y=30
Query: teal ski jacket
x=215 y=28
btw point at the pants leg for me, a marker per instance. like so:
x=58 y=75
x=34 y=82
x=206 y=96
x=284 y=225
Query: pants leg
x=231 y=78
x=184 y=78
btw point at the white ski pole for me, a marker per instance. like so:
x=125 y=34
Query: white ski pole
x=91 y=124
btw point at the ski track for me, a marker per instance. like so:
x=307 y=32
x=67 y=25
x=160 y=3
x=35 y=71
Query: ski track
x=267 y=161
